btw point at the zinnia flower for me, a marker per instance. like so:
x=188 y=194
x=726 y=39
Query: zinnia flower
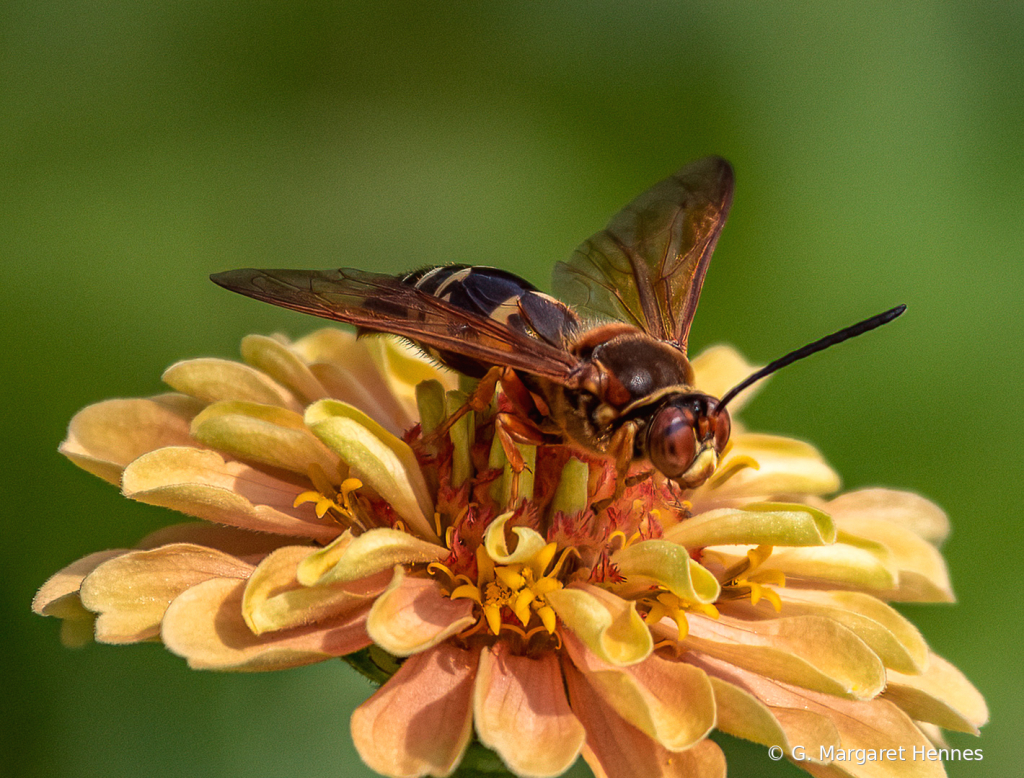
x=543 y=613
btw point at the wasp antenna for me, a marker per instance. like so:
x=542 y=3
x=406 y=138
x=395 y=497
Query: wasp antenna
x=813 y=348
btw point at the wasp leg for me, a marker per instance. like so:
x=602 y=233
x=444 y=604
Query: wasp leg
x=511 y=429
x=478 y=401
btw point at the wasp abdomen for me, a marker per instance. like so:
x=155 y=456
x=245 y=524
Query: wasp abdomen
x=498 y=295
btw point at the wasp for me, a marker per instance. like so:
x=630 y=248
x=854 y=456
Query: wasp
x=603 y=365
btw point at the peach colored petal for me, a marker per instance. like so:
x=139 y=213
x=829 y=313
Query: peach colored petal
x=59 y=597
x=419 y=723
x=275 y=600
x=617 y=749
x=204 y=625
x=741 y=714
x=201 y=483
x=414 y=614
x=521 y=712
x=904 y=509
x=264 y=434
x=664 y=698
x=850 y=563
x=607 y=624
x=809 y=651
x=866 y=724
x=923 y=576
x=404 y=367
x=211 y=380
x=103 y=438
x=241 y=543
x=283 y=365
x=718 y=369
x=940 y=695
x=889 y=634
x=131 y=592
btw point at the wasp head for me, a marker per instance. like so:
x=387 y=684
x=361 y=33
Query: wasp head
x=686 y=437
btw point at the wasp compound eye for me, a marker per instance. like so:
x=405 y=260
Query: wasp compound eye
x=671 y=442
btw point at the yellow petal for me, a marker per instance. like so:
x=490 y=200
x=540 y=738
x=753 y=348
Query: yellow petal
x=608 y=625
x=530 y=543
x=103 y=438
x=940 y=695
x=851 y=563
x=275 y=600
x=414 y=614
x=266 y=434
x=204 y=624
x=666 y=699
x=808 y=651
x=419 y=723
x=382 y=461
x=668 y=565
x=210 y=380
x=773 y=524
x=521 y=712
x=201 y=483
x=402 y=367
x=284 y=366
x=131 y=592
x=370 y=553
x=786 y=466
x=718 y=369
x=891 y=636
x=904 y=509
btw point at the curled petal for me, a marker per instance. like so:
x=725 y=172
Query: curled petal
x=131 y=592
x=386 y=463
x=530 y=543
x=668 y=565
x=414 y=614
x=668 y=700
x=350 y=559
x=608 y=625
x=521 y=712
x=940 y=695
x=617 y=749
x=283 y=365
x=419 y=723
x=904 y=509
x=808 y=651
x=773 y=524
x=266 y=434
x=275 y=600
x=211 y=380
x=103 y=438
x=205 y=625
x=201 y=483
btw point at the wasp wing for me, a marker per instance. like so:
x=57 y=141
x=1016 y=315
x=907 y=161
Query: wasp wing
x=382 y=303
x=648 y=265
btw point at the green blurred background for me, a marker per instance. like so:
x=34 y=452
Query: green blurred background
x=878 y=149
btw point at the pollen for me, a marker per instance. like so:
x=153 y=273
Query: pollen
x=326 y=498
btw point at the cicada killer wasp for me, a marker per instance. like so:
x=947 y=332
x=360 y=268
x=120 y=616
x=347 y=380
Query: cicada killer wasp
x=603 y=367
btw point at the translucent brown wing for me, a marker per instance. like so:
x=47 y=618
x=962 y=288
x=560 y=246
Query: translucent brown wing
x=648 y=265
x=382 y=303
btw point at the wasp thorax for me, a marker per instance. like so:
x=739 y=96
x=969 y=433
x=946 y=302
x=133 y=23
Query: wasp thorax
x=686 y=437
